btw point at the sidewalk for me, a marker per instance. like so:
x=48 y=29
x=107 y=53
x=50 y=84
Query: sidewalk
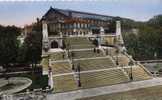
x=73 y=95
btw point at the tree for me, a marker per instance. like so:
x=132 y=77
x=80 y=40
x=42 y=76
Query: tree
x=21 y=55
x=8 y=45
x=156 y=21
x=147 y=42
x=33 y=45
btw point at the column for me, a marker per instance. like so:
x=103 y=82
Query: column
x=60 y=41
x=45 y=35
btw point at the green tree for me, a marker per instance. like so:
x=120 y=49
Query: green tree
x=8 y=46
x=147 y=42
x=33 y=45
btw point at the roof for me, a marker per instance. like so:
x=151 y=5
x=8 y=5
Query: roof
x=79 y=14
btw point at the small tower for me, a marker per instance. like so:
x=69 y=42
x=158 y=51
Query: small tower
x=118 y=33
x=118 y=28
x=45 y=40
x=102 y=32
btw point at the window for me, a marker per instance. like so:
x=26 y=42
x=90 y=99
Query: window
x=74 y=25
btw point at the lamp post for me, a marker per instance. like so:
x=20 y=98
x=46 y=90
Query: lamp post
x=117 y=58
x=131 y=71
x=131 y=75
x=78 y=69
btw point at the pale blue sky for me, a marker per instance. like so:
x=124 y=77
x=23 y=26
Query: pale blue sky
x=21 y=13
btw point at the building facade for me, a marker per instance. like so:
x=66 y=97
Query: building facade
x=57 y=23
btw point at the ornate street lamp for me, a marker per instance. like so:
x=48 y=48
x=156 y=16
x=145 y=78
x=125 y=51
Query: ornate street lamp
x=131 y=70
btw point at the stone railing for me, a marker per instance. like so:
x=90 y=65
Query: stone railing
x=138 y=63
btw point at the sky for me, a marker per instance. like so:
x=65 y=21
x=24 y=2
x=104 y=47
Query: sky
x=21 y=13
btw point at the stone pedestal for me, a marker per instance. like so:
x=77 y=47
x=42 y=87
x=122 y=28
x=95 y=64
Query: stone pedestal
x=50 y=77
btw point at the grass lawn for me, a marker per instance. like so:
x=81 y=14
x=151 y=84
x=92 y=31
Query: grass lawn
x=151 y=93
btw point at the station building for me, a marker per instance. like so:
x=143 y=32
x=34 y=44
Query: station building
x=58 y=23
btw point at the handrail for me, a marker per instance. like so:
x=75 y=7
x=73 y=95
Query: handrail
x=138 y=63
x=150 y=61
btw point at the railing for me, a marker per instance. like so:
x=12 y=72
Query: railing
x=151 y=61
x=148 y=72
x=82 y=35
x=138 y=63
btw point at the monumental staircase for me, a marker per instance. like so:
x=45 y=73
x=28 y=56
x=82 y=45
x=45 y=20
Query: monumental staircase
x=92 y=66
